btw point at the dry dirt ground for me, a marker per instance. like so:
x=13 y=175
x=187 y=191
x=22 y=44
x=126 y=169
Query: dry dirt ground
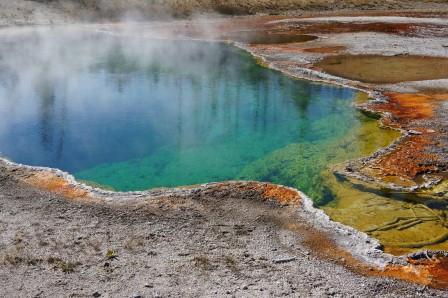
x=213 y=243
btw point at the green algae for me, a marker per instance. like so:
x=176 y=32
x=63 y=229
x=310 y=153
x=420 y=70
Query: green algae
x=304 y=165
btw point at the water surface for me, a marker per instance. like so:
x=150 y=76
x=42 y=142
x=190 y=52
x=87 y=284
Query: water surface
x=134 y=114
x=131 y=113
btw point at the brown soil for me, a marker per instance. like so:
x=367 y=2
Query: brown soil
x=390 y=28
x=325 y=50
x=265 y=37
x=385 y=69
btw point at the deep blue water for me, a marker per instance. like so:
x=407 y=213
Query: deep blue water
x=134 y=113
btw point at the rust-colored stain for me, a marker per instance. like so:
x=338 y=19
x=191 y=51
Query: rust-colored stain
x=405 y=107
x=52 y=183
x=409 y=158
x=281 y=194
x=431 y=272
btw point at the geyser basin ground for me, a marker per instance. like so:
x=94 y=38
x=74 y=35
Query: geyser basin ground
x=133 y=114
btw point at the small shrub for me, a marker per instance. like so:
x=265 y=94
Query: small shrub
x=202 y=262
x=64 y=266
x=111 y=254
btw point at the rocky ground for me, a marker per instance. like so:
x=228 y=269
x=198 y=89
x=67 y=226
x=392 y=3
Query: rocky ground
x=217 y=242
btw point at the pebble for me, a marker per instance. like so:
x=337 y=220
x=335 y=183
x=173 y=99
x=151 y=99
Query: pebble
x=414 y=132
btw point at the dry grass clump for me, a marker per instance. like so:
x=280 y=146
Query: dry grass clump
x=111 y=254
x=64 y=266
x=202 y=262
x=231 y=263
x=16 y=256
x=134 y=243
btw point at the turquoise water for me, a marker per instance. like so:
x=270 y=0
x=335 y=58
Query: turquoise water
x=133 y=114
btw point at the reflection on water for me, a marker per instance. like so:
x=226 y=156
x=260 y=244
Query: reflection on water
x=133 y=114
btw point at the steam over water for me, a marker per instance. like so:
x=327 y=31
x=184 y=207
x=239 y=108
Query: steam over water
x=128 y=111
x=136 y=113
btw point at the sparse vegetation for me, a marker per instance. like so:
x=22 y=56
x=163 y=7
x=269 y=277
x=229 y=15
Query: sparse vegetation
x=231 y=263
x=64 y=266
x=111 y=254
x=16 y=256
x=202 y=262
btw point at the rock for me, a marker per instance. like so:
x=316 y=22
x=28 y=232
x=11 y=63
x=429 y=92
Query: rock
x=285 y=260
x=331 y=292
x=414 y=132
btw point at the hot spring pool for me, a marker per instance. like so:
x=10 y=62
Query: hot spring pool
x=132 y=114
